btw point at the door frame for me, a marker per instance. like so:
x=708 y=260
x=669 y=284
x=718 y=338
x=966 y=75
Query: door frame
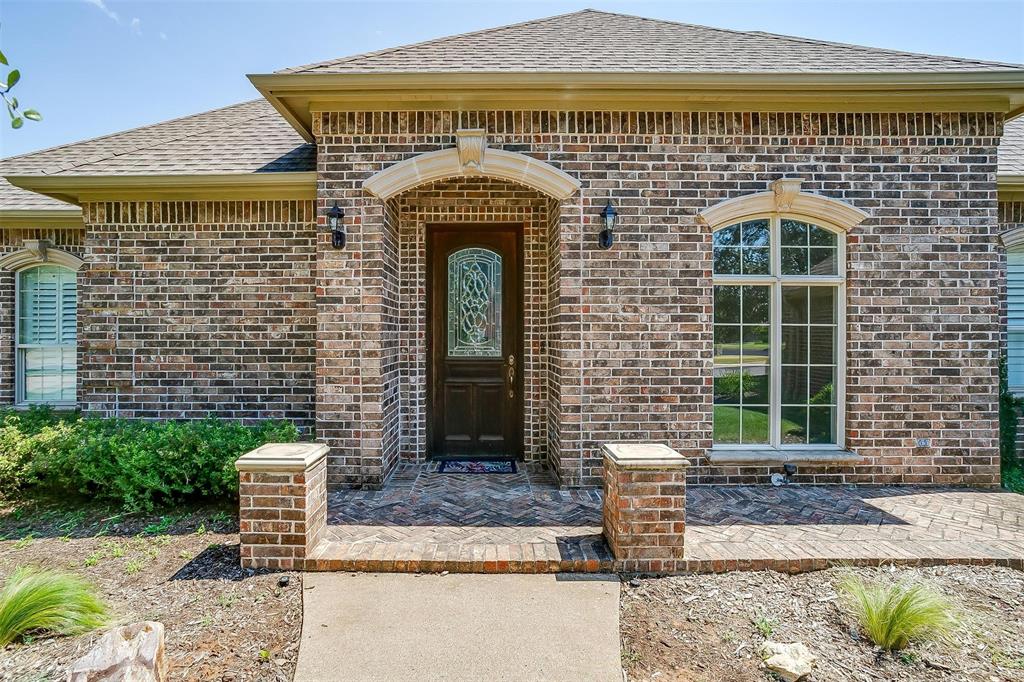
x=518 y=341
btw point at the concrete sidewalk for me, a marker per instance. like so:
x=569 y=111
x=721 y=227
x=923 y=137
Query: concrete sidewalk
x=396 y=627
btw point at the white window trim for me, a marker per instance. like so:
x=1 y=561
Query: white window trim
x=1013 y=242
x=775 y=284
x=37 y=252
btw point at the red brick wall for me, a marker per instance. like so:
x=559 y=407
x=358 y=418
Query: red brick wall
x=475 y=200
x=633 y=355
x=281 y=516
x=191 y=307
x=195 y=308
x=11 y=240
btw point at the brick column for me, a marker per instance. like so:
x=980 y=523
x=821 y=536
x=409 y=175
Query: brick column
x=282 y=503
x=645 y=506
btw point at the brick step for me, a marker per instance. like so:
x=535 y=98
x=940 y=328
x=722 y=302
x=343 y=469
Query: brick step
x=405 y=557
x=402 y=557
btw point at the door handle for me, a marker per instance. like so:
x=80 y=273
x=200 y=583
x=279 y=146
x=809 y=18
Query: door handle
x=511 y=376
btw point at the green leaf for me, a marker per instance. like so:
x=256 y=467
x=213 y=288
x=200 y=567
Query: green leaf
x=3 y=58
x=17 y=122
x=12 y=78
x=32 y=115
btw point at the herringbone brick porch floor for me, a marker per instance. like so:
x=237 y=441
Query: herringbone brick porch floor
x=426 y=521
x=799 y=528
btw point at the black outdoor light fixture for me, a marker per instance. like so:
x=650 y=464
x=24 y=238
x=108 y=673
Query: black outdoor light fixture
x=334 y=218
x=607 y=235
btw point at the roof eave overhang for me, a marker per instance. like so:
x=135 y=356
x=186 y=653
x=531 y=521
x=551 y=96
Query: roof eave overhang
x=1010 y=187
x=81 y=189
x=41 y=217
x=298 y=95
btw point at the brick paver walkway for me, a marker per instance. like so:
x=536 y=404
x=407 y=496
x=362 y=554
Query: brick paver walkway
x=426 y=521
x=800 y=528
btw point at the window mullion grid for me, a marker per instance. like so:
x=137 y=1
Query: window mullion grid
x=839 y=351
x=840 y=358
x=775 y=330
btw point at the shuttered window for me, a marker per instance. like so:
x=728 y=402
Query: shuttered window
x=46 y=334
x=1015 y=318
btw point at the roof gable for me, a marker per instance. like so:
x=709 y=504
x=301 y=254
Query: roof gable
x=595 y=41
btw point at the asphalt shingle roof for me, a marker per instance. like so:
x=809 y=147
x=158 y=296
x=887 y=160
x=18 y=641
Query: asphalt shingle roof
x=250 y=137
x=594 y=41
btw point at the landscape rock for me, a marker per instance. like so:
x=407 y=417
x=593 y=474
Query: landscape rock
x=133 y=653
x=791 y=662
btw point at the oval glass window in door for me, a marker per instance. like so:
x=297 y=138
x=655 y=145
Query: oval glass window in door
x=474 y=303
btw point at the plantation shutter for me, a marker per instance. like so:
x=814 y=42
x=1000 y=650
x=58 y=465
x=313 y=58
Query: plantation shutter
x=1015 y=318
x=47 y=314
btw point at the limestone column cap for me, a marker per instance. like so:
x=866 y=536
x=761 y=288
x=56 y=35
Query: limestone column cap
x=284 y=457
x=643 y=456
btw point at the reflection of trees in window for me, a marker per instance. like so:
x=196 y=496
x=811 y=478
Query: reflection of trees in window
x=791 y=385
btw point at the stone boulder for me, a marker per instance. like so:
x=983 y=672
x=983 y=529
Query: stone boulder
x=133 y=653
x=791 y=662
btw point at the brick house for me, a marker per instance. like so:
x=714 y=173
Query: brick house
x=591 y=228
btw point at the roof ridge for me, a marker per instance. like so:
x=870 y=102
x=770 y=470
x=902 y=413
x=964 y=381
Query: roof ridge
x=439 y=39
x=803 y=39
x=863 y=51
x=98 y=158
x=890 y=50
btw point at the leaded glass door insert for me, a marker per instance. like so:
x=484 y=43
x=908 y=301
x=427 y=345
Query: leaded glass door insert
x=474 y=303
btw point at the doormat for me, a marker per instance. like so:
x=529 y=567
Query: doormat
x=471 y=466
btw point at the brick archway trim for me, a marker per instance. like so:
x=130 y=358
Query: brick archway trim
x=494 y=163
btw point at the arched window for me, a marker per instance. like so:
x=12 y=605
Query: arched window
x=45 y=334
x=1014 y=241
x=778 y=332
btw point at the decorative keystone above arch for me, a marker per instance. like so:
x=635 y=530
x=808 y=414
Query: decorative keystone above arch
x=38 y=251
x=471 y=158
x=1013 y=238
x=784 y=197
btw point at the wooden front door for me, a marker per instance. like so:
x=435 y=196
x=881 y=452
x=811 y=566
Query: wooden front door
x=475 y=344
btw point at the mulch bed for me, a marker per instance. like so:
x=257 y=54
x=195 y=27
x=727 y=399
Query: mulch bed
x=180 y=568
x=703 y=628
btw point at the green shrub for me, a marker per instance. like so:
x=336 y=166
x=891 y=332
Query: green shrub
x=1012 y=470
x=34 y=599
x=138 y=464
x=728 y=386
x=894 y=614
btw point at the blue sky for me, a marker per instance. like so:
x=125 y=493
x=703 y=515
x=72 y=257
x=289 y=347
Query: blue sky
x=98 y=66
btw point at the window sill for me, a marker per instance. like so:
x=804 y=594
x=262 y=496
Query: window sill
x=770 y=456
x=56 y=407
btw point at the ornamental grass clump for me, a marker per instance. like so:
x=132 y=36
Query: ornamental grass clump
x=37 y=600
x=894 y=614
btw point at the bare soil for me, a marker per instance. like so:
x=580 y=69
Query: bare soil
x=709 y=627
x=180 y=568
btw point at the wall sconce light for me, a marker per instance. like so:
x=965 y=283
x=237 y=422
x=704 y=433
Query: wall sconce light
x=334 y=219
x=607 y=235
